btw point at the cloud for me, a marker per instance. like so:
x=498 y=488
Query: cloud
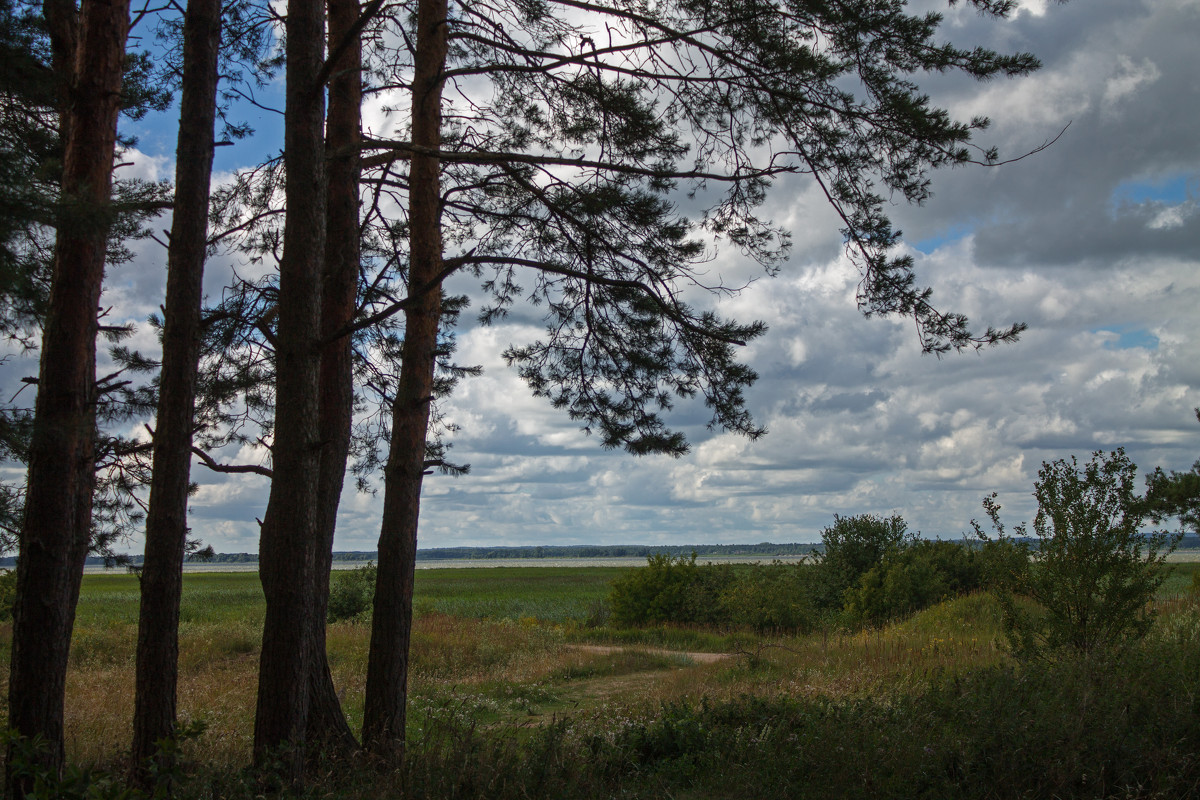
x=1092 y=242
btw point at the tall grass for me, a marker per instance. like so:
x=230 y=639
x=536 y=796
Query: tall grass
x=1121 y=727
x=513 y=706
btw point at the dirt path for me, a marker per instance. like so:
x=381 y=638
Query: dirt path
x=603 y=650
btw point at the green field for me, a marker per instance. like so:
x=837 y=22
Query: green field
x=547 y=594
x=514 y=694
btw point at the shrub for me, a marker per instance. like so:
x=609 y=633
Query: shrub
x=351 y=593
x=774 y=597
x=897 y=587
x=852 y=547
x=922 y=574
x=668 y=590
x=8 y=593
x=1004 y=563
x=1093 y=573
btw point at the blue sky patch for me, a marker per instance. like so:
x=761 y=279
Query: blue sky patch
x=1170 y=191
x=1129 y=337
x=948 y=236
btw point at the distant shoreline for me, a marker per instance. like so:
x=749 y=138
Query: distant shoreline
x=497 y=556
x=550 y=556
x=480 y=563
x=1188 y=556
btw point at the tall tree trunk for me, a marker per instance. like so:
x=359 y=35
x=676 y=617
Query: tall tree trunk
x=391 y=624
x=327 y=723
x=287 y=546
x=89 y=55
x=166 y=521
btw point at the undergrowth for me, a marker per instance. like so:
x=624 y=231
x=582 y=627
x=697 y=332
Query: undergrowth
x=514 y=708
x=1126 y=726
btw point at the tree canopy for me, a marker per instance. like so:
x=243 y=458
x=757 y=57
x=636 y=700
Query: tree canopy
x=1175 y=495
x=575 y=130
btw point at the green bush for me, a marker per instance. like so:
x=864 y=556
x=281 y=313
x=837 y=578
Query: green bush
x=894 y=574
x=1004 y=563
x=8 y=593
x=774 y=597
x=1093 y=572
x=351 y=593
x=668 y=590
x=897 y=587
x=853 y=546
x=907 y=580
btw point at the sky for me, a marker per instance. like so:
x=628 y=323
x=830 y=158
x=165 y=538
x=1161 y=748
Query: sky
x=1094 y=243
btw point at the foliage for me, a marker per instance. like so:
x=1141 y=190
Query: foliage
x=871 y=570
x=31 y=152
x=350 y=593
x=899 y=585
x=83 y=783
x=852 y=547
x=1175 y=495
x=8 y=593
x=1125 y=729
x=774 y=597
x=29 y=156
x=564 y=165
x=926 y=572
x=1093 y=572
x=665 y=590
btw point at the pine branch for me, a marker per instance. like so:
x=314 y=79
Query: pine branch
x=232 y=469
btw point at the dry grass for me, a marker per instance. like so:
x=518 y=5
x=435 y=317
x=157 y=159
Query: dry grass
x=494 y=661
x=501 y=671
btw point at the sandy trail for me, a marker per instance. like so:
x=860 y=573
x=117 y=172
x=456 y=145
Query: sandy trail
x=603 y=650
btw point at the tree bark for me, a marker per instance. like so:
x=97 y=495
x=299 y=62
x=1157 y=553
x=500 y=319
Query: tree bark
x=287 y=546
x=391 y=624
x=166 y=521
x=328 y=727
x=89 y=55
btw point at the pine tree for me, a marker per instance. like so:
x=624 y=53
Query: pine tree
x=288 y=541
x=166 y=524
x=549 y=172
x=87 y=59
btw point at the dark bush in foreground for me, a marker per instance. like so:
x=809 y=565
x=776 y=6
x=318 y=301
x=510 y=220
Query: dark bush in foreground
x=1077 y=728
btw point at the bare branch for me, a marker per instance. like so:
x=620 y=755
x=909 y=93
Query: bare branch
x=232 y=469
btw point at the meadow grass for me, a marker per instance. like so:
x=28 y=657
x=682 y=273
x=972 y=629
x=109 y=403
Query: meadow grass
x=512 y=696
x=559 y=595
x=1180 y=576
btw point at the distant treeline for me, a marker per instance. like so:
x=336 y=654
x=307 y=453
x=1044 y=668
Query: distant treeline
x=765 y=549
x=614 y=551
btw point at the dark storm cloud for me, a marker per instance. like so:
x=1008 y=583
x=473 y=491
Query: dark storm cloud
x=1122 y=74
